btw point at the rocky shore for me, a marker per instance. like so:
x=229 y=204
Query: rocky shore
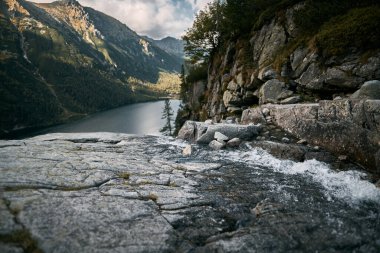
x=121 y=193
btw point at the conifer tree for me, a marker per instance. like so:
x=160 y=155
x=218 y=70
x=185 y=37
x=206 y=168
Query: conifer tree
x=167 y=114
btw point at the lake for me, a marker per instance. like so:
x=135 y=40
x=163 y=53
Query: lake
x=141 y=119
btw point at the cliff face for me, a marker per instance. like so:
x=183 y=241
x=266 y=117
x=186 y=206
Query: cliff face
x=279 y=63
x=326 y=81
x=61 y=59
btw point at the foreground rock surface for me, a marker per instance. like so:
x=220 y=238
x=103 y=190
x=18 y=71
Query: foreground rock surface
x=121 y=193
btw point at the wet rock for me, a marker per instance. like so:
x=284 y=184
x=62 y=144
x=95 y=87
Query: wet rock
x=233 y=143
x=10 y=249
x=124 y=193
x=282 y=151
x=349 y=127
x=216 y=145
x=285 y=140
x=220 y=137
x=187 y=151
x=244 y=132
x=369 y=90
x=320 y=156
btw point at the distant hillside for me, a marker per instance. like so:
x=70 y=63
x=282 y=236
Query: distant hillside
x=60 y=60
x=171 y=45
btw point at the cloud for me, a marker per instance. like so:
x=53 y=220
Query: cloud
x=155 y=18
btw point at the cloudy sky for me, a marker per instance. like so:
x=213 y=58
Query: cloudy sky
x=155 y=18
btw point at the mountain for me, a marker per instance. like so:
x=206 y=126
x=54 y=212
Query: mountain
x=61 y=60
x=171 y=45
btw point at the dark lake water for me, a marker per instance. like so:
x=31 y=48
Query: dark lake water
x=141 y=118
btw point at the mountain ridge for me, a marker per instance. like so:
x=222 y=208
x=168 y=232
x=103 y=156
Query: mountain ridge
x=74 y=60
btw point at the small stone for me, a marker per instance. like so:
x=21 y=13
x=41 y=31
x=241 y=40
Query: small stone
x=266 y=111
x=338 y=98
x=316 y=148
x=235 y=142
x=302 y=141
x=221 y=137
x=208 y=122
x=285 y=140
x=187 y=150
x=342 y=158
x=216 y=145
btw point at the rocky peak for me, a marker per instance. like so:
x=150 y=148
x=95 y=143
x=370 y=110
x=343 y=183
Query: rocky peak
x=70 y=2
x=16 y=6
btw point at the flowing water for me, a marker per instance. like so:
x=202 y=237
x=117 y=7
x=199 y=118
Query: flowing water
x=263 y=204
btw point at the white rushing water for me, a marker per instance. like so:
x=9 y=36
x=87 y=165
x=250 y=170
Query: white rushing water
x=346 y=185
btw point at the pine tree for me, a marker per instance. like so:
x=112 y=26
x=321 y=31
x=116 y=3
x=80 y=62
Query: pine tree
x=167 y=114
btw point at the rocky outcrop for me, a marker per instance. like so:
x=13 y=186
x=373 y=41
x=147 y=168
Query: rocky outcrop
x=204 y=133
x=369 y=90
x=272 y=66
x=104 y=192
x=344 y=127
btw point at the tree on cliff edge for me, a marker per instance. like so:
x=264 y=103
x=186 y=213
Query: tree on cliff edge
x=167 y=114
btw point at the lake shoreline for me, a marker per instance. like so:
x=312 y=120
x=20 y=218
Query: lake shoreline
x=33 y=131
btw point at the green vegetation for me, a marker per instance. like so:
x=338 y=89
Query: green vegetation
x=359 y=28
x=167 y=115
x=60 y=73
x=24 y=239
x=125 y=175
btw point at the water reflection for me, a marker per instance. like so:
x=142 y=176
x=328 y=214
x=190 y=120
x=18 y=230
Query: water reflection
x=142 y=118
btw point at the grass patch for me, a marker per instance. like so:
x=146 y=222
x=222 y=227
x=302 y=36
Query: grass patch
x=22 y=238
x=359 y=28
x=125 y=175
x=153 y=197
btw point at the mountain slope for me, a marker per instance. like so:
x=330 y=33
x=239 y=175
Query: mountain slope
x=61 y=60
x=171 y=45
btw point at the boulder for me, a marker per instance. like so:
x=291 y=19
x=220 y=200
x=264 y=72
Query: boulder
x=232 y=86
x=266 y=74
x=253 y=115
x=221 y=137
x=244 y=132
x=191 y=130
x=282 y=151
x=216 y=145
x=233 y=143
x=187 y=151
x=272 y=91
x=369 y=90
x=231 y=99
x=343 y=127
x=339 y=78
x=240 y=79
x=311 y=78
